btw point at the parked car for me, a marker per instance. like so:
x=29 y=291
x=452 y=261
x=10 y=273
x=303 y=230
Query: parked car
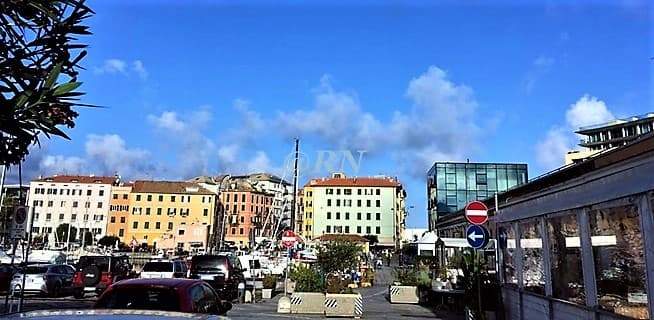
x=164 y=269
x=47 y=279
x=7 y=272
x=97 y=273
x=107 y=314
x=182 y=295
x=222 y=272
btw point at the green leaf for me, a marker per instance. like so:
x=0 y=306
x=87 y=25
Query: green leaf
x=66 y=87
x=52 y=77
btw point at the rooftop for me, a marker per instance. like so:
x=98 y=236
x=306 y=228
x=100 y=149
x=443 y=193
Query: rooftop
x=78 y=179
x=172 y=187
x=616 y=122
x=343 y=181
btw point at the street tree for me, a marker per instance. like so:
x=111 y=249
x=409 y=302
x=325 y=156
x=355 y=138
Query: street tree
x=39 y=65
x=108 y=241
x=338 y=256
x=62 y=232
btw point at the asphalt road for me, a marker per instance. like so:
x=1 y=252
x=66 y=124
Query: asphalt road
x=376 y=305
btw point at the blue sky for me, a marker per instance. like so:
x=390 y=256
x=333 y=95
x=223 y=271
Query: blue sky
x=205 y=87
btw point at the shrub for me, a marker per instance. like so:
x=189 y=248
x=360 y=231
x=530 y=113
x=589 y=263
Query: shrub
x=339 y=256
x=269 y=282
x=306 y=279
x=406 y=276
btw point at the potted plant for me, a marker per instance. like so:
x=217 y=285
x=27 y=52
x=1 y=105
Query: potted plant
x=405 y=287
x=269 y=283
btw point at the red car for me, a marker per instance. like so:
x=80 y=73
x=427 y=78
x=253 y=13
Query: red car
x=182 y=295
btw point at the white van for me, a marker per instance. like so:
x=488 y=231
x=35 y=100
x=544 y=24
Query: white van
x=251 y=267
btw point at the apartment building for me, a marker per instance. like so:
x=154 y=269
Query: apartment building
x=248 y=211
x=358 y=205
x=119 y=211
x=81 y=201
x=304 y=221
x=161 y=212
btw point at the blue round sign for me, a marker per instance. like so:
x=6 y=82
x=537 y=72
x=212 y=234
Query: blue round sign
x=477 y=236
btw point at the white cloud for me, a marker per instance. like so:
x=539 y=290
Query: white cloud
x=259 y=163
x=550 y=152
x=540 y=67
x=139 y=68
x=110 y=154
x=119 y=66
x=167 y=121
x=63 y=165
x=586 y=111
x=112 y=66
x=438 y=125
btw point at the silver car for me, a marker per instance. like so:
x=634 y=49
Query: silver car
x=47 y=279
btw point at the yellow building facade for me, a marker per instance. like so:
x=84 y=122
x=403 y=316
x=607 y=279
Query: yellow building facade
x=161 y=212
x=307 y=198
x=119 y=211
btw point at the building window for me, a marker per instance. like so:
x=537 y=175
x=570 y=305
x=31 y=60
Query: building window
x=181 y=232
x=338 y=202
x=170 y=226
x=122 y=219
x=172 y=198
x=149 y=198
x=329 y=191
x=329 y=215
x=358 y=229
x=99 y=205
x=347 y=216
x=616 y=237
x=378 y=203
x=531 y=243
x=243 y=197
x=146 y=225
x=565 y=259
x=115 y=196
x=147 y=211
x=135 y=225
x=73 y=217
x=359 y=201
x=508 y=246
x=378 y=216
x=367 y=203
x=74 y=204
x=347 y=192
x=329 y=202
x=378 y=192
x=125 y=196
x=367 y=215
x=121 y=232
x=50 y=203
x=112 y=219
x=158 y=211
x=377 y=230
x=61 y=216
x=329 y=229
x=240 y=231
x=358 y=215
x=88 y=192
x=138 y=197
x=338 y=215
x=157 y=225
x=206 y=212
x=367 y=229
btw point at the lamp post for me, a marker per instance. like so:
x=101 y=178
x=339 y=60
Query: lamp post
x=219 y=211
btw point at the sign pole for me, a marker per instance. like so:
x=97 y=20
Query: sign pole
x=26 y=259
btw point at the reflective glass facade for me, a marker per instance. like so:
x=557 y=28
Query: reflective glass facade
x=450 y=186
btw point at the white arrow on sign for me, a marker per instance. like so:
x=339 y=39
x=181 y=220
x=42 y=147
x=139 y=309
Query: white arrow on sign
x=474 y=236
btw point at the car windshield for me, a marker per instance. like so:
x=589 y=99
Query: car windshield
x=36 y=270
x=207 y=263
x=158 y=267
x=140 y=299
x=101 y=262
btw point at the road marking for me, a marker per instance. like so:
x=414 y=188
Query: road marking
x=376 y=294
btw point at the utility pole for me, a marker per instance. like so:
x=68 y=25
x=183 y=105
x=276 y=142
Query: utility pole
x=297 y=154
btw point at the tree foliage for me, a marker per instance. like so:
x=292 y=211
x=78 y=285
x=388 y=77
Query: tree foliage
x=108 y=241
x=338 y=256
x=307 y=279
x=62 y=232
x=39 y=65
x=372 y=239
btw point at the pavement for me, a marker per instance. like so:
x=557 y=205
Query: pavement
x=375 y=300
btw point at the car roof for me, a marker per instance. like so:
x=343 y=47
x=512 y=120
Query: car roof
x=170 y=283
x=110 y=314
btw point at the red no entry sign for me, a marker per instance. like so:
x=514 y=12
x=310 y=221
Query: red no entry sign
x=476 y=213
x=289 y=239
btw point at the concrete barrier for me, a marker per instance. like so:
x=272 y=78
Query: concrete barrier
x=308 y=302
x=343 y=305
x=403 y=294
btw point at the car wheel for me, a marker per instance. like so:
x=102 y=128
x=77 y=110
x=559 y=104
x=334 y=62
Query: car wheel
x=78 y=294
x=55 y=290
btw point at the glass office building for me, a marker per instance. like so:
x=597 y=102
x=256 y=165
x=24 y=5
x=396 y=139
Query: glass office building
x=450 y=186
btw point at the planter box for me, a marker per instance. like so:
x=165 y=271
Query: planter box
x=308 y=302
x=404 y=294
x=343 y=305
x=267 y=293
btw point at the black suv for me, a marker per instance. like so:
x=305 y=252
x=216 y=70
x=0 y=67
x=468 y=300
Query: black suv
x=96 y=273
x=222 y=272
